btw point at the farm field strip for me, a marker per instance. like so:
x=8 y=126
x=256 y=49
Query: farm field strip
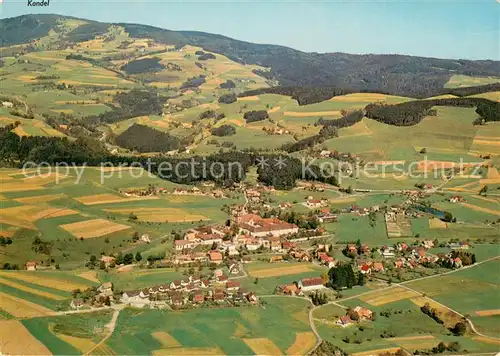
x=488 y=312
x=390 y=295
x=45 y=281
x=189 y=351
x=93 y=228
x=166 y=339
x=20 y=340
x=108 y=198
x=304 y=342
x=21 y=308
x=273 y=272
x=30 y=290
x=39 y=198
x=160 y=214
x=80 y=343
x=263 y=346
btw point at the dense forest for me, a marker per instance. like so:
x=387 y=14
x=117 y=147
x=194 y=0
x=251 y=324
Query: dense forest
x=15 y=151
x=146 y=139
x=130 y=104
x=228 y=98
x=223 y=130
x=144 y=65
x=228 y=84
x=345 y=121
x=397 y=74
x=193 y=82
x=255 y=115
x=411 y=113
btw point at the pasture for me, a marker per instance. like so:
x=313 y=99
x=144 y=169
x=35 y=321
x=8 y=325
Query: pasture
x=230 y=330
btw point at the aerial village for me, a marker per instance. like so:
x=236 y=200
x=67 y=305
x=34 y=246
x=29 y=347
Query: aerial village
x=259 y=229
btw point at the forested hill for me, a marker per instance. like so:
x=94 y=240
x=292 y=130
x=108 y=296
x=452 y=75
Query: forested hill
x=397 y=74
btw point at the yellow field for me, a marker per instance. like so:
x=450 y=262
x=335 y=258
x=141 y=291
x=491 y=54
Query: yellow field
x=24 y=288
x=487 y=340
x=107 y=198
x=275 y=109
x=159 y=214
x=435 y=223
x=20 y=187
x=93 y=228
x=21 y=308
x=60 y=212
x=166 y=339
x=40 y=198
x=280 y=271
x=342 y=200
x=377 y=352
x=492 y=95
x=33 y=213
x=488 y=312
x=481 y=209
x=90 y=275
x=80 y=343
x=13 y=221
x=189 y=351
x=249 y=98
x=493 y=173
x=42 y=280
x=449 y=318
x=103 y=350
x=304 y=342
x=312 y=113
x=358 y=129
x=17 y=340
x=262 y=346
x=418 y=342
x=388 y=296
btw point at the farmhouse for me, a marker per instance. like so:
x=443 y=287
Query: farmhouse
x=312 y=283
x=344 y=321
x=259 y=227
x=181 y=245
x=326 y=260
x=108 y=260
x=7 y=104
x=31 y=265
x=215 y=257
x=76 y=303
x=456 y=199
x=313 y=203
x=366 y=269
x=362 y=313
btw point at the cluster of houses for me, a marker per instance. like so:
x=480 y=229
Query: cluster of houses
x=355 y=315
x=402 y=256
x=95 y=297
x=191 y=291
x=456 y=199
x=254 y=232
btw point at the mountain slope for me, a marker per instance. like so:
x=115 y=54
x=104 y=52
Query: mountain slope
x=397 y=74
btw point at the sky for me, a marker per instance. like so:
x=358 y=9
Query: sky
x=441 y=28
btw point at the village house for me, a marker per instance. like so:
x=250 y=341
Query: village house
x=285 y=205
x=314 y=203
x=301 y=255
x=215 y=257
x=378 y=267
x=232 y=286
x=105 y=289
x=456 y=199
x=428 y=243
x=326 y=260
x=210 y=239
x=362 y=313
x=7 y=104
x=288 y=245
x=290 y=289
x=344 y=321
x=257 y=226
x=310 y=284
x=181 y=245
x=252 y=298
x=145 y=238
x=365 y=269
x=352 y=249
x=31 y=266
x=234 y=268
x=77 y=303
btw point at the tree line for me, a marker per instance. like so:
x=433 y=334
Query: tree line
x=412 y=112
